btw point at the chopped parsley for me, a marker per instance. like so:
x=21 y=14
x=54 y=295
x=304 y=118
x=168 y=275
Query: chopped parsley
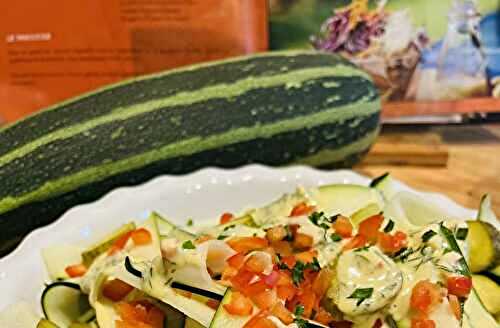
x=231 y=226
x=321 y=220
x=390 y=225
x=362 y=249
x=428 y=235
x=289 y=234
x=299 y=310
x=462 y=233
x=335 y=237
x=188 y=244
x=361 y=294
x=298 y=269
x=189 y=223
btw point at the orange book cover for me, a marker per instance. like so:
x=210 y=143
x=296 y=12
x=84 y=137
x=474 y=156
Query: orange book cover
x=55 y=50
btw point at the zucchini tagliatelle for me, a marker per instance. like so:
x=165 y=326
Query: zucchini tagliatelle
x=333 y=256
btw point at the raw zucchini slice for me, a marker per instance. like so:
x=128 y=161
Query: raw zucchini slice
x=347 y=199
x=475 y=314
x=167 y=229
x=488 y=292
x=222 y=318
x=483 y=241
x=63 y=303
x=57 y=258
x=365 y=212
x=102 y=246
x=44 y=323
x=190 y=323
x=486 y=213
x=384 y=184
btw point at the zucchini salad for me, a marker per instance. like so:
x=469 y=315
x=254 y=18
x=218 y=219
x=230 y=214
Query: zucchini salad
x=331 y=256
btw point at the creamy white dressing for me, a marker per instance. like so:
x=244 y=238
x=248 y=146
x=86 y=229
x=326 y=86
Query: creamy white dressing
x=362 y=269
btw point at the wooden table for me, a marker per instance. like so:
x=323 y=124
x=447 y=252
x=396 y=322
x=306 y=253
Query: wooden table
x=473 y=166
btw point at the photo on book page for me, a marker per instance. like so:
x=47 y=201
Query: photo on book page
x=426 y=56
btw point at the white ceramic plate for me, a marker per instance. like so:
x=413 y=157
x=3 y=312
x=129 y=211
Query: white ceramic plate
x=201 y=195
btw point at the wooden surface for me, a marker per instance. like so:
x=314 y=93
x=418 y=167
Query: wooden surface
x=411 y=108
x=472 y=169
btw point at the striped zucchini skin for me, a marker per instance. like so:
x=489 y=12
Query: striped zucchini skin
x=278 y=108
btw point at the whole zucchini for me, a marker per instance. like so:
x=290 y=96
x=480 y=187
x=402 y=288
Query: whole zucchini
x=274 y=108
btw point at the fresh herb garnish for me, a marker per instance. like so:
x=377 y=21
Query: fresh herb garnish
x=189 y=223
x=462 y=233
x=221 y=237
x=188 y=244
x=362 y=249
x=314 y=265
x=335 y=237
x=299 y=310
x=428 y=235
x=390 y=225
x=361 y=294
x=231 y=226
x=321 y=220
x=298 y=272
x=131 y=269
x=452 y=243
x=301 y=323
x=289 y=234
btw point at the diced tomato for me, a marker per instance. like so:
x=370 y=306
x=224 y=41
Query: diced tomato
x=355 y=242
x=202 y=239
x=283 y=248
x=289 y=261
x=139 y=314
x=369 y=227
x=141 y=237
x=237 y=260
x=239 y=305
x=285 y=278
x=254 y=288
x=226 y=217
x=228 y=273
x=324 y=317
x=119 y=243
x=455 y=306
x=116 y=290
x=276 y=233
x=76 y=270
x=286 y=292
x=214 y=304
x=392 y=243
x=242 y=279
x=343 y=227
x=322 y=282
x=247 y=244
x=255 y=264
x=282 y=313
x=307 y=299
x=459 y=285
x=301 y=209
x=302 y=241
x=422 y=323
x=424 y=296
x=260 y=321
x=272 y=279
x=306 y=257
x=265 y=299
